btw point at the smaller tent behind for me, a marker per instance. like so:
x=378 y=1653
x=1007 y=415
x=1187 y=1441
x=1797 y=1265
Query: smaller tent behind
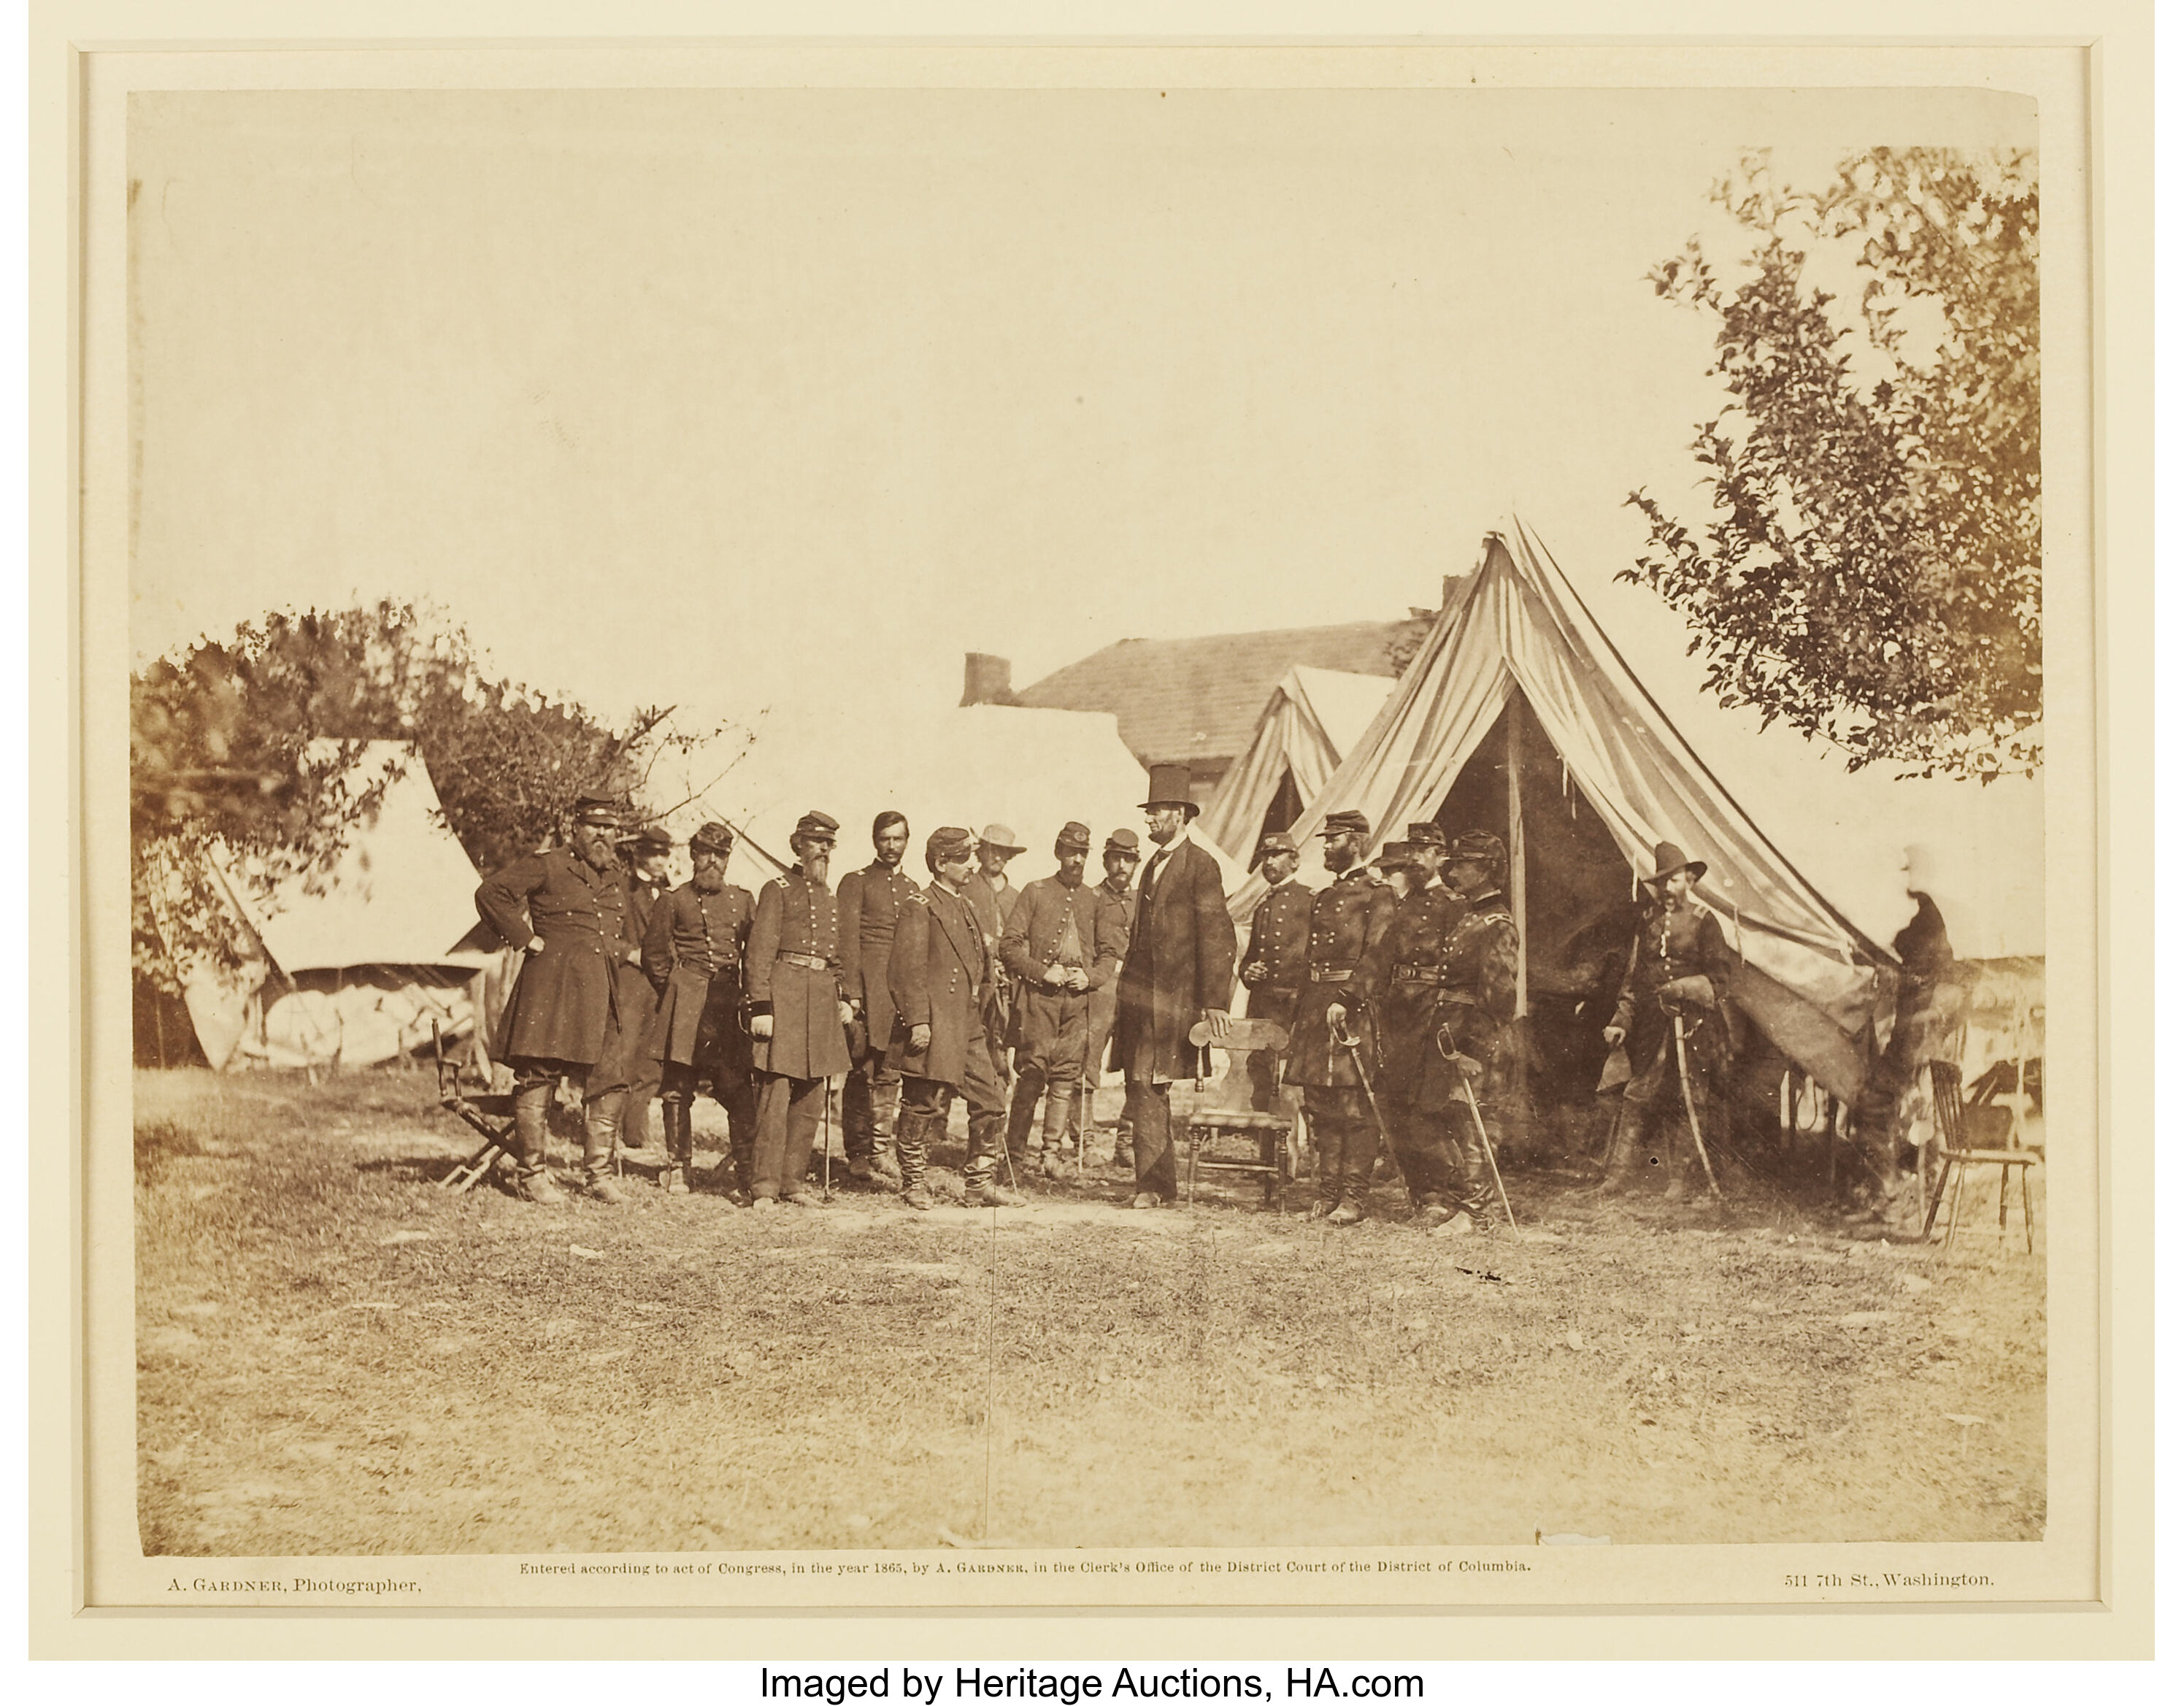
x=1310 y=721
x=354 y=966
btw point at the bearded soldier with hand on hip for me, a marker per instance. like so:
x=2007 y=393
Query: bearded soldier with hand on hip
x=798 y=1017
x=568 y=910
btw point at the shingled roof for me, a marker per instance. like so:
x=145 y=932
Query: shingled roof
x=1196 y=701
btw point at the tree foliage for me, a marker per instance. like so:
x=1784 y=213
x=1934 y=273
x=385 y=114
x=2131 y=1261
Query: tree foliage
x=240 y=752
x=1870 y=569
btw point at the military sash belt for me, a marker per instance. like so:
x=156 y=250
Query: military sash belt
x=1417 y=975
x=1332 y=974
x=810 y=962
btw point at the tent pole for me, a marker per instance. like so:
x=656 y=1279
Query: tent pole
x=1511 y=765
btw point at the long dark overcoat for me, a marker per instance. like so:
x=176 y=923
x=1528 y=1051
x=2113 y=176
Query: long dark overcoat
x=1182 y=960
x=693 y=955
x=1404 y=976
x=866 y=908
x=940 y=975
x=796 y=916
x=563 y=1004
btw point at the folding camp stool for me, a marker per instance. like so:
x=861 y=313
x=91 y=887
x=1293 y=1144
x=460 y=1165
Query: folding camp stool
x=491 y=1116
x=1959 y=1157
x=1232 y=1116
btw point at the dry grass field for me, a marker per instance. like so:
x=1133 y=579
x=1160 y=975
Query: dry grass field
x=336 y=1357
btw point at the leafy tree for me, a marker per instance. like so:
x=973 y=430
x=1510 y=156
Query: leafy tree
x=242 y=749
x=1870 y=570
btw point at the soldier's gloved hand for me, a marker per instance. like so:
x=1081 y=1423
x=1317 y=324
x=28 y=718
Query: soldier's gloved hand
x=1055 y=977
x=921 y=1039
x=762 y=1026
x=537 y=945
x=1614 y=1035
x=1338 y=1017
x=848 y=1012
x=1079 y=982
x=634 y=957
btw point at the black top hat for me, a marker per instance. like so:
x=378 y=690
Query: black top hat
x=1668 y=860
x=1171 y=786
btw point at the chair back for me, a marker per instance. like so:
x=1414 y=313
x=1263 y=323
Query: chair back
x=1948 y=1103
x=448 y=1073
x=1245 y=1037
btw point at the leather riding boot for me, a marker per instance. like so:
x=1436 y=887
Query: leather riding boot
x=1054 y=1133
x=602 y=1118
x=912 y=1131
x=674 y=1116
x=1024 y=1102
x=1622 y=1151
x=530 y=1137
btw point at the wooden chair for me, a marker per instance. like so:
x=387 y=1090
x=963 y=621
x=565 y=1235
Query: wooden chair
x=1959 y=1156
x=491 y=1116
x=1233 y=1115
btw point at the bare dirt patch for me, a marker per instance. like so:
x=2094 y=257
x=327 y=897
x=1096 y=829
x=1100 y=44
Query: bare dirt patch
x=334 y=1356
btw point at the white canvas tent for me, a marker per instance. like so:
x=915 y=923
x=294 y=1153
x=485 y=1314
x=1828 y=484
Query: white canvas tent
x=1517 y=638
x=970 y=766
x=354 y=967
x=1312 y=720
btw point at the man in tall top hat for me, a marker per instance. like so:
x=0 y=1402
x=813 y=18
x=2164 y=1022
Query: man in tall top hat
x=1053 y=947
x=1348 y=917
x=1400 y=976
x=1680 y=965
x=1118 y=904
x=1180 y=968
x=1479 y=982
x=867 y=904
x=568 y=910
x=647 y=854
x=693 y=955
x=798 y=1017
x=1276 y=958
x=939 y=976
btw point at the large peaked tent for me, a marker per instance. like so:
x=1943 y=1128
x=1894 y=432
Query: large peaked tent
x=1811 y=979
x=1311 y=719
x=354 y=966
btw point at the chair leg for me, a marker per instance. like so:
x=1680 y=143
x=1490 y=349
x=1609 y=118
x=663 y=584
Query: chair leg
x=1934 y=1202
x=1191 y=1166
x=2025 y=1188
x=1956 y=1208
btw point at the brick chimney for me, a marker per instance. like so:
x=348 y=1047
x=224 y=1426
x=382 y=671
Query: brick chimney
x=986 y=679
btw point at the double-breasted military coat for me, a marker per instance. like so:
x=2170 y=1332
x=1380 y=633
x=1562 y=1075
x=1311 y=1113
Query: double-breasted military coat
x=793 y=971
x=562 y=1007
x=1348 y=917
x=694 y=954
x=867 y=906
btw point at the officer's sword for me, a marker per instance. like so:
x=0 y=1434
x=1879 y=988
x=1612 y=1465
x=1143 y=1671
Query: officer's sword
x=1478 y=1119
x=1344 y=1038
x=1684 y=1083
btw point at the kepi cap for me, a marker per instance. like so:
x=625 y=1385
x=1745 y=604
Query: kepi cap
x=946 y=844
x=1277 y=841
x=652 y=838
x=1124 y=841
x=1075 y=838
x=1428 y=834
x=1479 y=846
x=713 y=838
x=598 y=809
x=816 y=824
x=1414 y=854
x=1345 y=823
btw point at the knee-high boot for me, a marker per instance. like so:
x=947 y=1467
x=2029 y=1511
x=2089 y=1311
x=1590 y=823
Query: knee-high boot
x=602 y=1119
x=1622 y=1150
x=530 y=1179
x=913 y=1131
x=675 y=1115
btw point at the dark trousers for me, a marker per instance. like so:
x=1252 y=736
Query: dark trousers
x=925 y=1105
x=1429 y=1154
x=1349 y=1139
x=680 y=1086
x=870 y=1096
x=788 y=1110
x=1144 y=1107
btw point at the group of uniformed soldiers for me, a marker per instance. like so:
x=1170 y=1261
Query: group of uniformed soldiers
x=1395 y=990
